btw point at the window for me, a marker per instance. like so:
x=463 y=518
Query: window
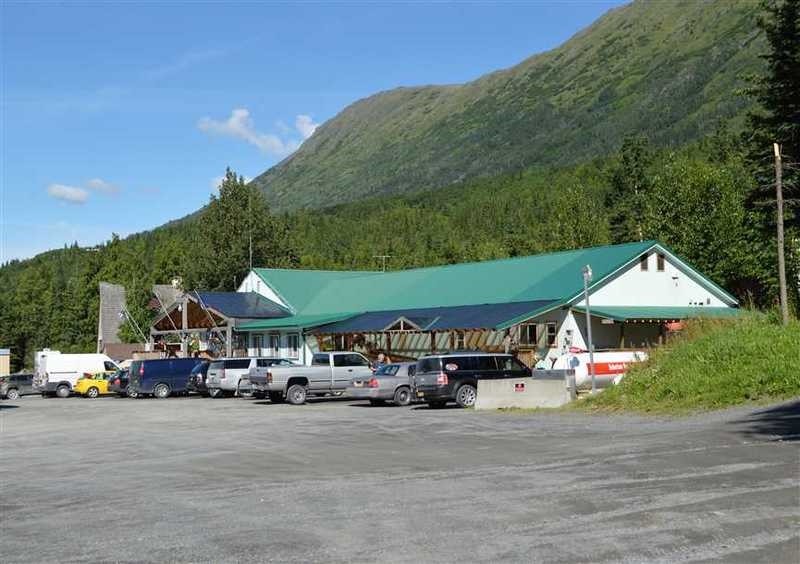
x=293 y=342
x=527 y=334
x=109 y=365
x=239 y=363
x=486 y=363
x=255 y=342
x=388 y=369
x=660 y=262
x=320 y=359
x=275 y=344
x=433 y=364
x=510 y=364
x=349 y=360
x=453 y=363
x=460 y=341
x=643 y=262
x=551 y=334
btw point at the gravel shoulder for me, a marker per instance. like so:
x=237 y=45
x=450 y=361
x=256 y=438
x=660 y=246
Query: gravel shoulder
x=231 y=480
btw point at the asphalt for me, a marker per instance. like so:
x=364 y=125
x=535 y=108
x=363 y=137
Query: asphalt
x=234 y=480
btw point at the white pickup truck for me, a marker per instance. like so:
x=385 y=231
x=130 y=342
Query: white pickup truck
x=329 y=373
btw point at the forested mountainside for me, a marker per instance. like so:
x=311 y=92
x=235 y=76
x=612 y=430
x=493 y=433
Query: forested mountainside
x=667 y=70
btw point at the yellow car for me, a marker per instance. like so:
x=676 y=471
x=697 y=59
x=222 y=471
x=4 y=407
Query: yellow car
x=91 y=386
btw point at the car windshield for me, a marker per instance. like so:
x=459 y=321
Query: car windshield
x=388 y=370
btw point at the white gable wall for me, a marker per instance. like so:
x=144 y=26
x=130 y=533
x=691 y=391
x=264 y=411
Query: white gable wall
x=253 y=283
x=637 y=287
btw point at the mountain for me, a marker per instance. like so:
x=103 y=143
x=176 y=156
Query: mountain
x=668 y=70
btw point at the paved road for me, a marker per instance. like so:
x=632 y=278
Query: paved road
x=230 y=480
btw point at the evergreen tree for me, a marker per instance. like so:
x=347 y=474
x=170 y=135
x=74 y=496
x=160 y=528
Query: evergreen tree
x=627 y=198
x=234 y=224
x=777 y=116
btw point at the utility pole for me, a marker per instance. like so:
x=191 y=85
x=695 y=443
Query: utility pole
x=383 y=260
x=781 y=258
x=587 y=277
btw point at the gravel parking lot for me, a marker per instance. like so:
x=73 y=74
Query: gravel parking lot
x=232 y=480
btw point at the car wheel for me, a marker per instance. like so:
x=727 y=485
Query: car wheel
x=92 y=392
x=276 y=397
x=437 y=404
x=131 y=393
x=215 y=392
x=248 y=393
x=377 y=402
x=12 y=394
x=62 y=391
x=161 y=391
x=402 y=396
x=466 y=395
x=296 y=394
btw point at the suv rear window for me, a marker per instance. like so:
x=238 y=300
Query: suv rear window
x=388 y=369
x=433 y=364
x=238 y=363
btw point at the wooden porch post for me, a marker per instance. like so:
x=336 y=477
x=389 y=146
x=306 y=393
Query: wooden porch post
x=228 y=341
x=433 y=341
x=622 y=335
x=184 y=327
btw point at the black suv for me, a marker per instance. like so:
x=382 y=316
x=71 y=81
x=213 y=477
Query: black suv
x=16 y=385
x=454 y=376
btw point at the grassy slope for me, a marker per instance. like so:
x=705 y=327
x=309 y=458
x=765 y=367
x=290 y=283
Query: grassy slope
x=716 y=364
x=665 y=69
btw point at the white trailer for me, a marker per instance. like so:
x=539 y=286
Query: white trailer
x=57 y=373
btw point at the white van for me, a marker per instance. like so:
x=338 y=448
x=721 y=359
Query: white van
x=58 y=372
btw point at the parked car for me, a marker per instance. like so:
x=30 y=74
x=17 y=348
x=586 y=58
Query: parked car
x=454 y=377
x=57 y=372
x=390 y=382
x=160 y=378
x=231 y=376
x=329 y=373
x=16 y=385
x=257 y=376
x=92 y=385
x=197 y=378
x=118 y=383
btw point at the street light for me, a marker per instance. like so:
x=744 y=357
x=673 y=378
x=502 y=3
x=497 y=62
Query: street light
x=587 y=277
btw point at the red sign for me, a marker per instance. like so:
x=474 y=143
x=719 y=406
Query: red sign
x=608 y=367
x=519 y=387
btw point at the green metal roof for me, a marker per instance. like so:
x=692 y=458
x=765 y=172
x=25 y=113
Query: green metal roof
x=298 y=287
x=626 y=313
x=294 y=322
x=552 y=276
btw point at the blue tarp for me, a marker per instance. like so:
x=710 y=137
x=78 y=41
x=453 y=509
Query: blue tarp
x=482 y=316
x=248 y=305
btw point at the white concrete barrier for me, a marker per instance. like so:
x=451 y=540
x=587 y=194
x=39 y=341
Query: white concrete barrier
x=548 y=388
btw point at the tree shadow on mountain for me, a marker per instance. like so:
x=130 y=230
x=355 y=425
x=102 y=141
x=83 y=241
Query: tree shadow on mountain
x=780 y=422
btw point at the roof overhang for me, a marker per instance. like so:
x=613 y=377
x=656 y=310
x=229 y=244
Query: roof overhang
x=657 y=314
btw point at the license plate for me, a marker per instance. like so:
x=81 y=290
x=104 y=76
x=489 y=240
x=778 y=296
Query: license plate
x=420 y=394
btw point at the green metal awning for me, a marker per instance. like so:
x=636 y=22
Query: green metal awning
x=658 y=313
x=294 y=322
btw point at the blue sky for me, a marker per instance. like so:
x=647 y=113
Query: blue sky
x=117 y=117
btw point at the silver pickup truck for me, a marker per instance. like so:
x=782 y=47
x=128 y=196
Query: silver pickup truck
x=329 y=373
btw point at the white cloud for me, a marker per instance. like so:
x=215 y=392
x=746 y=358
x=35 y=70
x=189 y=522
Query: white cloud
x=100 y=185
x=240 y=126
x=305 y=125
x=71 y=194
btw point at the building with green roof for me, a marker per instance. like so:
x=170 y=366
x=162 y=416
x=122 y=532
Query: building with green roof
x=533 y=303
